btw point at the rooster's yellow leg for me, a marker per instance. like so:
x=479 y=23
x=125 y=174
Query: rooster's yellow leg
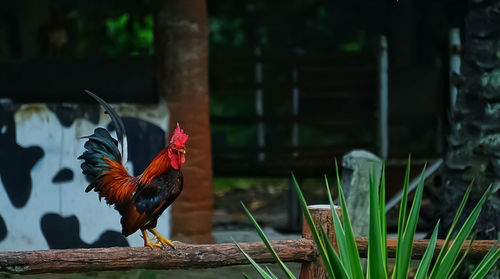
x=147 y=242
x=161 y=239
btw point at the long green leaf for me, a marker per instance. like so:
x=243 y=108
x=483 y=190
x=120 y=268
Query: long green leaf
x=314 y=231
x=482 y=267
x=375 y=239
x=355 y=260
x=266 y=241
x=339 y=233
x=452 y=228
x=337 y=266
x=457 y=265
x=402 y=214
x=403 y=259
x=425 y=263
x=259 y=269
x=490 y=252
x=383 y=222
x=271 y=273
x=444 y=267
x=487 y=263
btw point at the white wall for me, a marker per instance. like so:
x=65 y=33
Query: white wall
x=36 y=125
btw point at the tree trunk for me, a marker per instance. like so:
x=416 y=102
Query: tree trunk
x=474 y=142
x=181 y=46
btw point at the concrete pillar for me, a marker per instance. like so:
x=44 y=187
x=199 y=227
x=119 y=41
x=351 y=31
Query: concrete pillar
x=356 y=168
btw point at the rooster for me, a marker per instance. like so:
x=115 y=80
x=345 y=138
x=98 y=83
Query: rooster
x=140 y=200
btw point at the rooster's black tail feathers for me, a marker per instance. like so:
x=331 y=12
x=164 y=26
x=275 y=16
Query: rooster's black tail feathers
x=99 y=145
x=117 y=122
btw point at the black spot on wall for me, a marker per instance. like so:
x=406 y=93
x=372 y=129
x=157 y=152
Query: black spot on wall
x=64 y=175
x=3 y=229
x=15 y=161
x=64 y=233
x=67 y=113
x=145 y=140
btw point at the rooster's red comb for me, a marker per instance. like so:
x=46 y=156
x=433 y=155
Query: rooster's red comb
x=179 y=138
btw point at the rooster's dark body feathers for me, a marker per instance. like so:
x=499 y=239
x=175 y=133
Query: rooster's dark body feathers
x=140 y=200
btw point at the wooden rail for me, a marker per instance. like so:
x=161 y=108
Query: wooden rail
x=186 y=256
x=121 y=258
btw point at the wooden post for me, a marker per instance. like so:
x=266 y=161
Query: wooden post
x=321 y=214
x=294 y=214
x=259 y=105
x=384 y=98
x=295 y=109
x=181 y=53
x=455 y=62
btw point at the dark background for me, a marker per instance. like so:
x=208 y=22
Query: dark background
x=51 y=50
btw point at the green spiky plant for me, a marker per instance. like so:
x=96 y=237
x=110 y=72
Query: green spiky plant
x=346 y=264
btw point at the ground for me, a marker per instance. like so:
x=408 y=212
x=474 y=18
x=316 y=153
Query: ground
x=266 y=198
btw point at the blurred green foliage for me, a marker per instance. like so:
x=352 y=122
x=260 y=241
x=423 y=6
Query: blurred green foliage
x=344 y=26
x=130 y=39
x=121 y=28
x=110 y=31
x=117 y=29
x=75 y=29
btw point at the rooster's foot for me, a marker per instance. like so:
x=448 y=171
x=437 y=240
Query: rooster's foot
x=147 y=242
x=160 y=240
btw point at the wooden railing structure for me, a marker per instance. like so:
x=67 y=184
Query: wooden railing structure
x=189 y=256
x=282 y=96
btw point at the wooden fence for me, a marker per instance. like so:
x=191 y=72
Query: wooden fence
x=275 y=110
x=190 y=256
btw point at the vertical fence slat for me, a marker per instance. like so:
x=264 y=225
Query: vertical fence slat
x=455 y=62
x=259 y=105
x=384 y=98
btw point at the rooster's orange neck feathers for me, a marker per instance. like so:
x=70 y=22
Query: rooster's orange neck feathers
x=171 y=157
x=159 y=165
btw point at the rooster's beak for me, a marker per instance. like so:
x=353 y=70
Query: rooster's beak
x=182 y=151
